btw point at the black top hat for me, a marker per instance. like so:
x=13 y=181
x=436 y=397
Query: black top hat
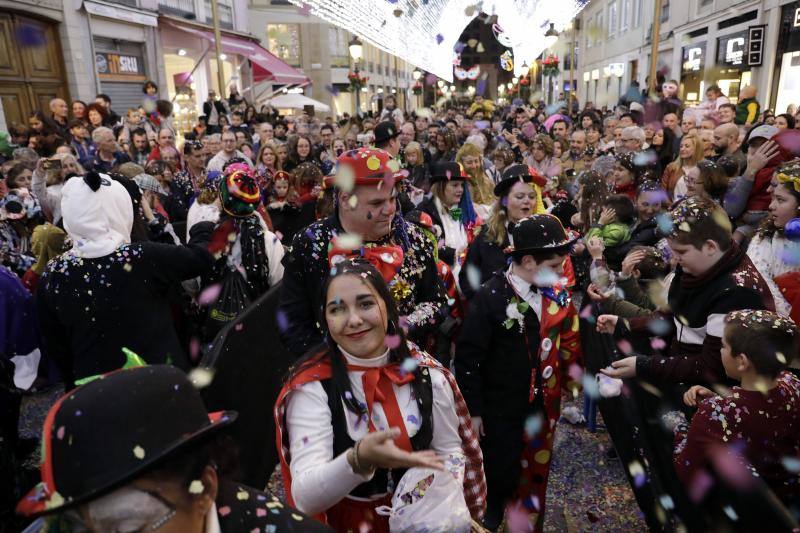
x=385 y=131
x=540 y=233
x=447 y=171
x=107 y=432
x=515 y=173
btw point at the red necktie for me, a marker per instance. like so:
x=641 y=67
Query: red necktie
x=377 y=384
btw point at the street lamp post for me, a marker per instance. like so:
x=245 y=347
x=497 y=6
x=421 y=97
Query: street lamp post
x=356 y=52
x=417 y=75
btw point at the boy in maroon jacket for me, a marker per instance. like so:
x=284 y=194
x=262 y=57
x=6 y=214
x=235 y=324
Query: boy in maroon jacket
x=757 y=423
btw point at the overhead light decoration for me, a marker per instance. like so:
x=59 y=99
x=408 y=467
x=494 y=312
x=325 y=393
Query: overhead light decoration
x=223 y=57
x=426 y=35
x=181 y=52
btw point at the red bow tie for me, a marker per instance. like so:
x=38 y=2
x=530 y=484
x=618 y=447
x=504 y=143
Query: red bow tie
x=377 y=384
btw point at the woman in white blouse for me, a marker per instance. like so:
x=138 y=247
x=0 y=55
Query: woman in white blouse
x=364 y=407
x=770 y=251
x=453 y=212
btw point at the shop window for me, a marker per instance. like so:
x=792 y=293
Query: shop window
x=612 y=18
x=600 y=29
x=225 y=10
x=625 y=13
x=337 y=44
x=283 y=40
x=177 y=7
x=637 y=18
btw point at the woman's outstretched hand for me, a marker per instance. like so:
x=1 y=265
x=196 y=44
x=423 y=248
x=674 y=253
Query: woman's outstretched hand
x=378 y=450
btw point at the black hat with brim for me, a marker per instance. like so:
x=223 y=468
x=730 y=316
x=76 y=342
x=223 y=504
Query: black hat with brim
x=385 y=131
x=111 y=430
x=540 y=233
x=514 y=174
x=447 y=171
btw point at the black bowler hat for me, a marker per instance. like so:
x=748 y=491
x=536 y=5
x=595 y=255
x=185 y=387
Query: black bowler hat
x=447 y=171
x=516 y=173
x=105 y=433
x=540 y=233
x=385 y=131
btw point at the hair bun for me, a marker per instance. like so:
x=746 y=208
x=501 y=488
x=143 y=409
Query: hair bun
x=93 y=180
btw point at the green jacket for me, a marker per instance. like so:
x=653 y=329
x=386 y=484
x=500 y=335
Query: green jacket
x=747 y=111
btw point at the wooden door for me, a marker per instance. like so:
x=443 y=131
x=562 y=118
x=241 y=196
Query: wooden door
x=30 y=76
x=14 y=99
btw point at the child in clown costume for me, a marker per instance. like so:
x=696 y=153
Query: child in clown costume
x=518 y=342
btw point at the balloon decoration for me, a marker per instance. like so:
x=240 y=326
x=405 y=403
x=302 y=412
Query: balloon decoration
x=501 y=36
x=471 y=74
x=792 y=230
x=507 y=61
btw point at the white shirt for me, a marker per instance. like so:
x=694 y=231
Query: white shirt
x=523 y=288
x=769 y=257
x=454 y=234
x=320 y=480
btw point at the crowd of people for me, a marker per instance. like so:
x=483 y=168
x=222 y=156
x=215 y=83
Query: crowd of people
x=452 y=282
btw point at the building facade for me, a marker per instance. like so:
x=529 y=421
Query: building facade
x=320 y=51
x=45 y=52
x=701 y=42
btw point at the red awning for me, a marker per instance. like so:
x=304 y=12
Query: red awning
x=266 y=67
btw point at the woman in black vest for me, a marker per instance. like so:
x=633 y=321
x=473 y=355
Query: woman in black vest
x=364 y=402
x=519 y=195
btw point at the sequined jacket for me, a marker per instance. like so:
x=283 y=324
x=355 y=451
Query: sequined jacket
x=758 y=430
x=417 y=289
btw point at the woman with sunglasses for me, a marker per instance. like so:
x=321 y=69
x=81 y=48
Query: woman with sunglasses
x=137 y=451
x=366 y=405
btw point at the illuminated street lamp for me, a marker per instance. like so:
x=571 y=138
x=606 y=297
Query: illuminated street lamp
x=356 y=52
x=550 y=36
x=417 y=74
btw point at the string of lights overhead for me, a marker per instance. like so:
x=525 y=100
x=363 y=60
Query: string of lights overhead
x=425 y=32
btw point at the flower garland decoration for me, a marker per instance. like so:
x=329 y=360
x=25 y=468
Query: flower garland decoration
x=356 y=81
x=515 y=311
x=416 y=88
x=550 y=66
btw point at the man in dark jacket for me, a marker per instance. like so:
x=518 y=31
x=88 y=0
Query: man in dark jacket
x=366 y=217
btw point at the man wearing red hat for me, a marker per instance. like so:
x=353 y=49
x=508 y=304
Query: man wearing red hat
x=365 y=222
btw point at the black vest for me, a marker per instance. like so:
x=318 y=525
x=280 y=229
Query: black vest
x=381 y=482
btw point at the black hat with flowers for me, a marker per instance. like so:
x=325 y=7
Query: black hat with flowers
x=112 y=429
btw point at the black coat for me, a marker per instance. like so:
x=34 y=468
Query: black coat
x=485 y=256
x=492 y=363
x=89 y=309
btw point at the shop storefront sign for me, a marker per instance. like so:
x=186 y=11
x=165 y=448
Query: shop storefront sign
x=755 y=45
x=693 y=57
x=731 y=49
x=114 y=65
